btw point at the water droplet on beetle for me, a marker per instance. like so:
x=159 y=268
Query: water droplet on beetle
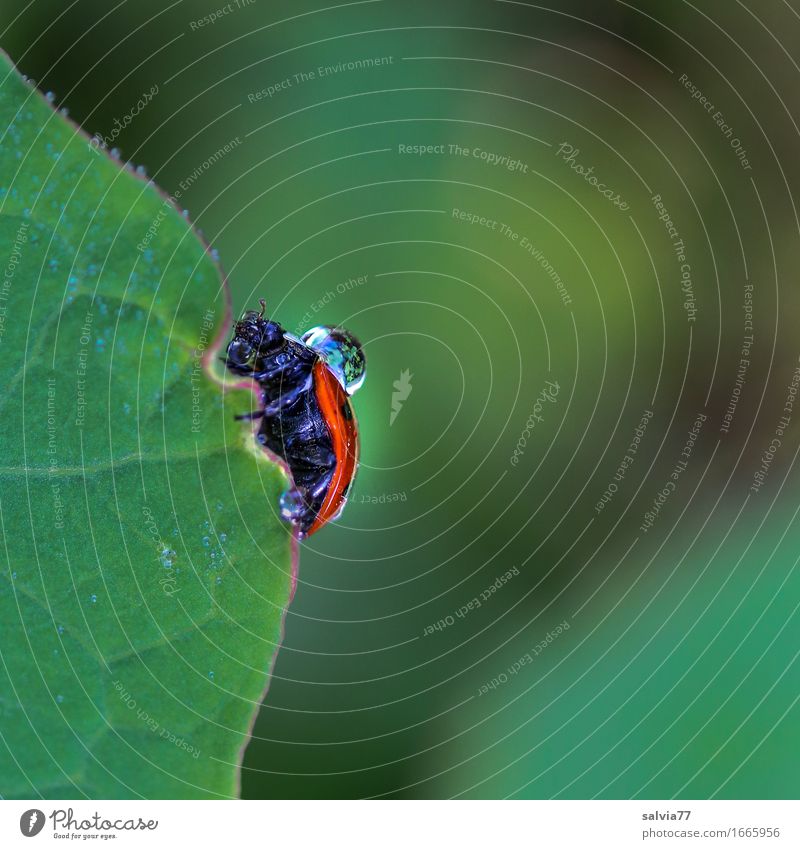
x=291 y=504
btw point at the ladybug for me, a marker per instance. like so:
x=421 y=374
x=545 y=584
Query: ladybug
x=306 y=416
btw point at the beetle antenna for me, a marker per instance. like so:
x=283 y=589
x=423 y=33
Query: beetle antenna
x=263 y=307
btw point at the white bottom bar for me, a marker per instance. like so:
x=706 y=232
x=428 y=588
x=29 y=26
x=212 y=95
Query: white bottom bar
x=400 y=824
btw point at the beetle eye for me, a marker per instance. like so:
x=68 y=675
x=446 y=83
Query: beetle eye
x=239 y=352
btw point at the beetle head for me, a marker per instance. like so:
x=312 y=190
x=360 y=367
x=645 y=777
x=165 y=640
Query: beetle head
x=254 y=337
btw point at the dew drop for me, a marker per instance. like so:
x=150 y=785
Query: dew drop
x=206 y=542
x=59 y=699
x=291 y=504
x=93 y=598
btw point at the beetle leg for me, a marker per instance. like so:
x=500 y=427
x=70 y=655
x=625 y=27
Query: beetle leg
x=287 y=398
x=288 y=372
x=256 y=414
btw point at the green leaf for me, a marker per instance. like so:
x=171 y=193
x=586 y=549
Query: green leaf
x=144 y=573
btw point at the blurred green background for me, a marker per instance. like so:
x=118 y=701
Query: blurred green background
x=677 y=674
